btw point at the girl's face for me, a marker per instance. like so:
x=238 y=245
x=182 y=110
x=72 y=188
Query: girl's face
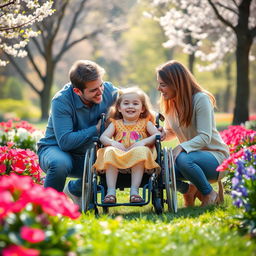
x=131 y=107
x=167 y=91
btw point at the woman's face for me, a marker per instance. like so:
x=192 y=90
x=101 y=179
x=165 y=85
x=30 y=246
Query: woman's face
x=166 y=90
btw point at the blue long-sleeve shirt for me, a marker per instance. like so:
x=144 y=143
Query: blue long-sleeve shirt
x=72 y=124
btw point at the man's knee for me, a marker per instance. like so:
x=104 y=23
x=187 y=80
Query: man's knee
x=61 y=166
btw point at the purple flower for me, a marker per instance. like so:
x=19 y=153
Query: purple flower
x=238 y=202
x=251 y=171
x=243 y=190
x=240 y=166
x=247 y=155
x=235 y=182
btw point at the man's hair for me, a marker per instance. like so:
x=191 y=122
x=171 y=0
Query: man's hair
x=83 y=71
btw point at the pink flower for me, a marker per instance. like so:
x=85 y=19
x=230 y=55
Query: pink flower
x=32 y=235
x=2 y=168
x=15 y=250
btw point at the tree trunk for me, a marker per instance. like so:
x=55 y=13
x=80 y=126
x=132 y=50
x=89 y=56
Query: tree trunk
x=191 y=61
x=244 y=42
x=45 y=95
x=241 y=111
x=227 y=93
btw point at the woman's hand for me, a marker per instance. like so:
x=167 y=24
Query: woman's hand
x=118 y=145
x=163 y=133
x=176 y=151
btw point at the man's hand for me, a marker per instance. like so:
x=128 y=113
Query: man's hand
x=98 y=126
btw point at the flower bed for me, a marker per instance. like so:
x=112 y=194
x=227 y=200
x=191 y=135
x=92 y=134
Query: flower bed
x=241 y=167
x=35 y=219
x=21 y=133
x=19 y=161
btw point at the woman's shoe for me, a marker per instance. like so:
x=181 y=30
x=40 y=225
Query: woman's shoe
x=190 y=196
x=210 y=199
x=109 y=199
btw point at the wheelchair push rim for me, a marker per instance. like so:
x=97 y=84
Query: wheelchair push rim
x=87 y=187
x=170 y=180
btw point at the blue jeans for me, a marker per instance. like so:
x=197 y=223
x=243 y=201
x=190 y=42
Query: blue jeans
x=197 y=167
x=58 y=165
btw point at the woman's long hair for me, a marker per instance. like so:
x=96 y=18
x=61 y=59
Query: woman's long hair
x=180 y=79
x=147 y=113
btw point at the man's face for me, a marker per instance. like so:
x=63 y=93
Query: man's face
x=92 y=94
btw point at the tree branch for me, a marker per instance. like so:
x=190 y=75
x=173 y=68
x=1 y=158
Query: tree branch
x=64 y=49
x=20 y=71
x=4 y=5
x=224 y=21
x=61 y=16
x=234 y=2
x=31 y=59
x=73 y=24
x=227 y=8
x=38 y=46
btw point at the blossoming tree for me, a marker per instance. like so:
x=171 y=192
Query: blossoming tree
x=228 y=25
x=16 y=20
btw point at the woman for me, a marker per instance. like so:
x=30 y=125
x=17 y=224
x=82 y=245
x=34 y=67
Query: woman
x=189 y=115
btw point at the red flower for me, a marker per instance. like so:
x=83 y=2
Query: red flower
x=16 y=250
x=32 y=235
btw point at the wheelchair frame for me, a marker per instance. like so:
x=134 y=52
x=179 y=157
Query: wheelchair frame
x=153 y=190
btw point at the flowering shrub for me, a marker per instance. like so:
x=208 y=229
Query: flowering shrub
x=19 y=161
x=237 y=137
x=34 y=219
x=244 y=187
x=21 y=133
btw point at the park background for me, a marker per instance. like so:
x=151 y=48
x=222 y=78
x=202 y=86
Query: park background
x=127 y=39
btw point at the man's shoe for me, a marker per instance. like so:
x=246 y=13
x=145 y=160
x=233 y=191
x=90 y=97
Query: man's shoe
x=76 y=199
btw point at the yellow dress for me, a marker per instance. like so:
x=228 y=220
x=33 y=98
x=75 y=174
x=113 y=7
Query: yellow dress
x=123 y=160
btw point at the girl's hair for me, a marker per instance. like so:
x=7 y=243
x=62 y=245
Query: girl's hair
x=148 y=113
x=180 y=79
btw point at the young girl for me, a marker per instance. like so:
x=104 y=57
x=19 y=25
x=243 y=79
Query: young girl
x=129 y=143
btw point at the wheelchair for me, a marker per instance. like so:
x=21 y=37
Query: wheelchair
x=158 y=188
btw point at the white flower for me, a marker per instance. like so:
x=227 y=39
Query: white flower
x=22 y=134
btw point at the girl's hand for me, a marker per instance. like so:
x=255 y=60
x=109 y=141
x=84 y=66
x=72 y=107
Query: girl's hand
x=118 y=145
x=137 y=144
x=176 y=151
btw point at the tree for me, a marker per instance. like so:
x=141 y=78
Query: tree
x=219 y=28
x=73 y=22
x=16 y=19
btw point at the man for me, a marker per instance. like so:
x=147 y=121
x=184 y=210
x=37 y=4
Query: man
x=74 y=120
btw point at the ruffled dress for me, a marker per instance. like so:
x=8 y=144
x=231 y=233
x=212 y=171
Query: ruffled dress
x=123 y=160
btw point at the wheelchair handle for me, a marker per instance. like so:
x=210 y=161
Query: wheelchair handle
x=102 y=125
x=159 y=117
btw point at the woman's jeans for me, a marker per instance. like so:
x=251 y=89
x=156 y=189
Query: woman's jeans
x=58 y=165
x=197 y=167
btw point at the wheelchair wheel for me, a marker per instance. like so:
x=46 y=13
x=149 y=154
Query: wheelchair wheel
x=170 y=180
x=87 y=188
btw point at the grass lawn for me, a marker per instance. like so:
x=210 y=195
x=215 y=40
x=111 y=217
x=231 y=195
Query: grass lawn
x=193 y=231
x=139 y=231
